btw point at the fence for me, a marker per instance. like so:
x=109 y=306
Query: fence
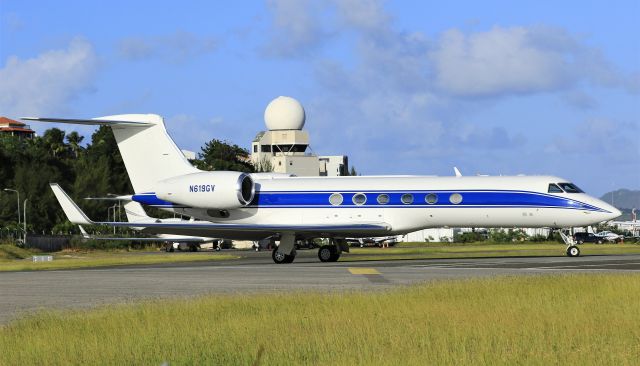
x=48 y=243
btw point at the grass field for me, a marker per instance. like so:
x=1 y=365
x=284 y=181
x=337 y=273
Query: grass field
x=540 y=320
x=477 y=250
x=13 y=258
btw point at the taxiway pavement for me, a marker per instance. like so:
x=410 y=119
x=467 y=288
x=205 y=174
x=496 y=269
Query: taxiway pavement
x=28 y=291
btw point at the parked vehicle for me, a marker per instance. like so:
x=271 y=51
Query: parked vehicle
x=587 y=238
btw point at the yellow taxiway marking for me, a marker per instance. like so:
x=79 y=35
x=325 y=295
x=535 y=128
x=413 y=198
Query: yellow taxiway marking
x=364 y=271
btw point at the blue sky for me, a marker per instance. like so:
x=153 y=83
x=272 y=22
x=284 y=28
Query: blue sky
x=402 y=87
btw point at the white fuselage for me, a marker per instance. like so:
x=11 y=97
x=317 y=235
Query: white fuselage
x=410 y=203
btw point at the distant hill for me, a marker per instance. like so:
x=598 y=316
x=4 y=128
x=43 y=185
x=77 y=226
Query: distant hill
x=623 y=198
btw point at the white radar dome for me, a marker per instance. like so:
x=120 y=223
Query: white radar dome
x=284 y=113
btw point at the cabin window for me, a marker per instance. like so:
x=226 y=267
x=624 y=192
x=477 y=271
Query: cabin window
x=455 y=198
x=570 y=188
x=553 y=188
x=407 y=198
x=431 y=198
x=383 y=199
x=255 y=148
x=336 y=199
x=359 y=199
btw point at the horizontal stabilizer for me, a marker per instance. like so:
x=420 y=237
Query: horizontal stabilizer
x=91 y=122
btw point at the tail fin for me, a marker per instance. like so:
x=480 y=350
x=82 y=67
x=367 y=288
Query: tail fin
x=149 y=153
x=136 y=213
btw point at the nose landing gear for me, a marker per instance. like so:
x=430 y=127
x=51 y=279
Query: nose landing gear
x=572 y=248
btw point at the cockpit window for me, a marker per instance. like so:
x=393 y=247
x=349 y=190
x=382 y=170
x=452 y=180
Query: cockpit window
x=570 y=188
x=553 y=188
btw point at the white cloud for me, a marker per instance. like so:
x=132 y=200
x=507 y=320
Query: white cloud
x=297 y=27
x=503 y=61
x=600 y=138
x=518 y=60
x=177 y=47
x=368 y=15
x=48 y=82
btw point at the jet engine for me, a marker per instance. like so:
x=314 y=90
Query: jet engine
x=212 y=190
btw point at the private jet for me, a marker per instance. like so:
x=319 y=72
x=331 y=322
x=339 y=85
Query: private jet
x=243 y=206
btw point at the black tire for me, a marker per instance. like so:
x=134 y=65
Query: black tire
x=599 y=241
x=328 y=253
x=579 y=242
x=573 y=251
x=281 y=258
x=325 y=253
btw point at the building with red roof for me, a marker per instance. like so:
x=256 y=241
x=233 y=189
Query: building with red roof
x=15 y=128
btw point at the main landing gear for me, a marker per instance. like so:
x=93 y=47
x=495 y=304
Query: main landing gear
x=572 y=248
x=280 y=257
x=328 y=253
x=286 y=252
x=331 y=252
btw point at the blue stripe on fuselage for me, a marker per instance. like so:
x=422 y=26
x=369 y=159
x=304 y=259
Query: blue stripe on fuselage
x=150 y=199
x=484 y=198
x=469 y=199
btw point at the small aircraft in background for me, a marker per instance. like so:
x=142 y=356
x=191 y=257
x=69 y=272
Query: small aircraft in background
x=136 y=214
x=609 y=236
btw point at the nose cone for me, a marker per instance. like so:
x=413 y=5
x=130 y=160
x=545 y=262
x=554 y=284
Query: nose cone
x=611 y=213
x=615 y=213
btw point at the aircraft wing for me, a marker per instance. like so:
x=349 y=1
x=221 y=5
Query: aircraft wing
x=211 y=229
x=172 y=238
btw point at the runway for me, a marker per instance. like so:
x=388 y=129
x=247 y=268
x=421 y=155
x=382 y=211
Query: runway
x=23 y=292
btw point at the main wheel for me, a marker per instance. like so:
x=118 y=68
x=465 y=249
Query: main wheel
x=280 y=258
x=573 y=251
x=324 y=253
x=328 y=253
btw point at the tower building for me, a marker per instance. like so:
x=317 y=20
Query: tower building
x=283 y=148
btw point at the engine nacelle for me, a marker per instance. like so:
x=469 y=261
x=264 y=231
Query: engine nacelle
x=212 y=190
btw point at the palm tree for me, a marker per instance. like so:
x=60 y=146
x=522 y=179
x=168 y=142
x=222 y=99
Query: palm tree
x=54 y=140
x=74 y=139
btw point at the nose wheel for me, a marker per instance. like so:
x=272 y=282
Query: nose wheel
x=573 y=251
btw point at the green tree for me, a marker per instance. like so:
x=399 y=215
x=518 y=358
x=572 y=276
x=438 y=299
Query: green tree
x=74 y=139
x=53 y=140
x=221 y=155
